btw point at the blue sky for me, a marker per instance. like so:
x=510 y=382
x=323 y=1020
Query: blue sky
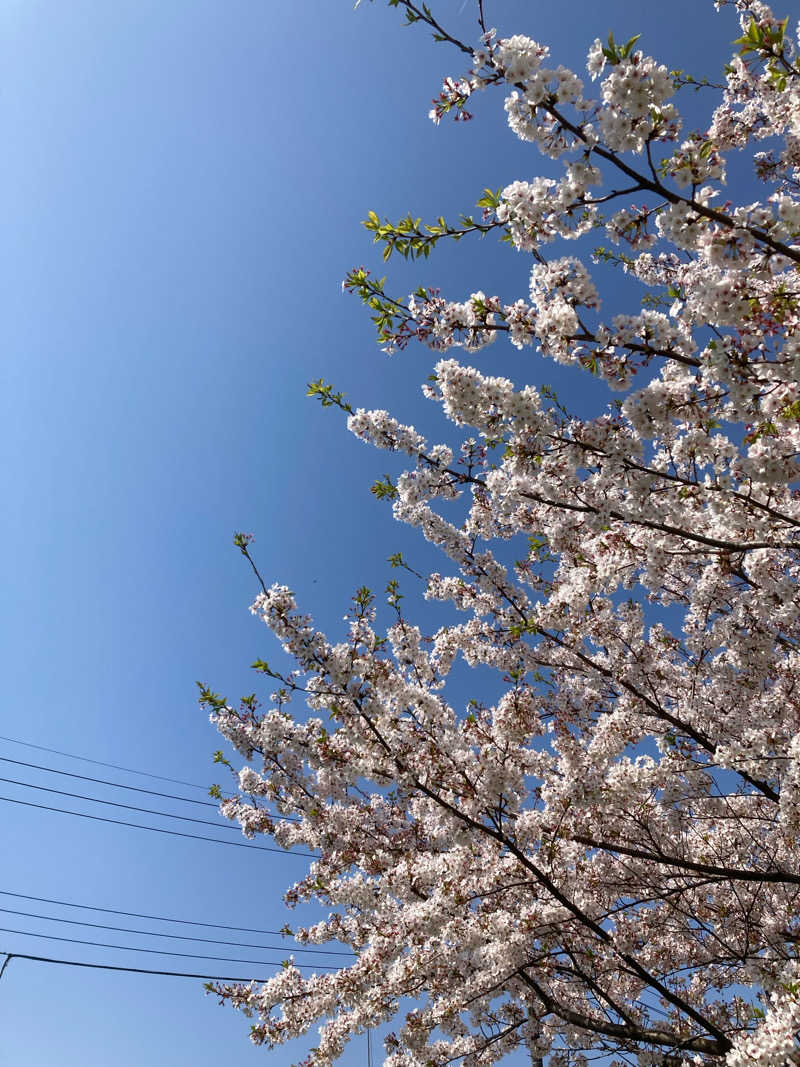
x=181 y=197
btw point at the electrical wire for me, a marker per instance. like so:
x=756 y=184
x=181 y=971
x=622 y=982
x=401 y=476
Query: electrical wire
x=157 y=829
x=100 y=763
x=122 y=785
x=116 y=785
x=137 y=914
x=117 y=804
x=175 y=937
x=110 y=967
x=161 y=952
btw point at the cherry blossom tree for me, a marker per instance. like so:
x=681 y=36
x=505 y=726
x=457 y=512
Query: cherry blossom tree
x=604 y=861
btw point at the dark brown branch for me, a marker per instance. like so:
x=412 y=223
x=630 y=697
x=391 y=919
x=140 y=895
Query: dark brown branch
x=714 y=1047
x=732 y=873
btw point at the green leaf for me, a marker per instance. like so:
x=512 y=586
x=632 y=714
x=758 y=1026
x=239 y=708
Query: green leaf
x=384 y=490
x=628 y=46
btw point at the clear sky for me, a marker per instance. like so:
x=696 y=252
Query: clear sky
x=181 y=193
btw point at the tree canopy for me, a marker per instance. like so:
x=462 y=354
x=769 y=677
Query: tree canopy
x=604 y=860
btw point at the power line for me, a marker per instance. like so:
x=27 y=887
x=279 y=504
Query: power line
x=116 y=804
x=174 y=937
x=131 y=970
x=137 y=914
x=100 y=763
x=158 y=829
x=162 y=952
x=120 y=785
x=103 y=781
